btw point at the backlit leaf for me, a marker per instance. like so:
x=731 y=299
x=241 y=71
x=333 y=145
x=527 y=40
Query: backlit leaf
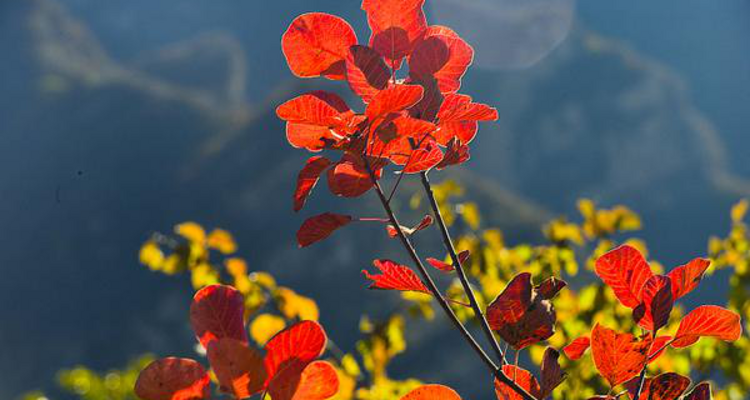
x=349 y=178
x=423 y=224
x=656 y=303
x=173 y=379
x=222 y=241
x=295 y=306
x=394 y=276
x=550 y=287
x=511 y=305
x=308 y=178
x=314 y=118
x=686 y=277
x=191 y=231
x=456 y=153
x=625 y=271
x=302 y=381
x=552 y=374
x=657 y=349
x=575 y=349
x=396 y=27
x=424 y=158
x=393 y=99
x=217 y=311
x=522 y=378
x=238 y=368
x=667 y=386
x=441 y=55
x=702 y=391
x=445 y=267
x=432 y=392
x=302 y=342
x=320 y=227
x=316 y=44
x=366 y=72
x=713 y=321
x=618 y=356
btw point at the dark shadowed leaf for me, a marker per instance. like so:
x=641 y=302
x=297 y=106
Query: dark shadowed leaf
x=173 y=379
x=308 y=178
x=366 y=72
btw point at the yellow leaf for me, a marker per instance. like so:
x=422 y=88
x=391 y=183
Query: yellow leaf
x=739 y=210
x=191 y=231
x=222 y=240
x=173 y=264
x=151 y=255
x=236 y=266
x=470 y=214
x=204 y=275
x=264 y=279
x=293 y=305
x=264 y=326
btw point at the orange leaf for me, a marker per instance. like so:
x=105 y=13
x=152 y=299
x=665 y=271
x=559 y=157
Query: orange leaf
x=173 y=379
x=618 y=356
x=302 y=381
x=238 y=368
x=456 y=153
x=316 y=44
x=217 y=312
x=394 y=137
x=714 y=321
x=575 y=349
x=522 y=378
x=396 y=27
x=395 y=277
x=308 y=178
x=319 y=227
x=366 y=72
x=460 y=107
x=701 y=391
x=315 y=118
x=552 y=374
x=302 y=342
x=424 y=158
x=656 y=303
x=432 y=392
x=393 y=99
x=441 y=55
x=657 y=349
x=686 y=277
x=349 y=178
x=626 y=271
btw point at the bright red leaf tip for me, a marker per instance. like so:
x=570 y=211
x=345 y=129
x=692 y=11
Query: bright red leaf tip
x=618 y=356
x=713 y=321
x=316 y=44
x=308 y=178
x=239 y=368
x=217 y=311
x=552 y=374
x=366 y=72
x=657 y=349
x=393 y=100
x=456 y=153
x=423 y=224
x=396 y=27
x=577 y=347
x=702 y=391
x=625 y=271
x=349 y=177
x=394 y=276
x=319 y=227
x=432 y=392
x=314 y=119
x=686 y=277
x=656 y=303
x=522 y=378
x=424 y=158
x=302 y=342
x=302 y=381
x=441 y=55
x=458 y=116
x=445 y=267
x=173 y=379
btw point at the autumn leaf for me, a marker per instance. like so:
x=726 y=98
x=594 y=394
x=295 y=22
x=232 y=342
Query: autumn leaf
x=656 y=303
x=713 y=321
x=575 y=349
x=308 y=178
x=349 y=178
x=445 y=267
x=625 y=271
x=686 y=277
x=456 y=153
x=366 y=72
x=302 y=342
x=618 y=356
x=316 y=44
x=522 y=378
x=173 y=379
x=396 y=27
x=552 y=374
x=319 y=227
x=394 y=276
x=315 y=118
x=458 y=116
x=658 y=347
x=424 y=158
x=441 y=55
x=393 y=100
x=423 y=224
x=221 y=240
x=297 y=380
x=238 y=368
x=432 y=392
x=550 y=287
x=217 y=312
x=666 y=386
x=701 y=391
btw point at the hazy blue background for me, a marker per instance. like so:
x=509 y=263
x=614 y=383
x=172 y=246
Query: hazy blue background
x=119 y=118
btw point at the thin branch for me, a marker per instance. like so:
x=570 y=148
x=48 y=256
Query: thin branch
x=497 y=372
x=642 y=377
x=448 y=242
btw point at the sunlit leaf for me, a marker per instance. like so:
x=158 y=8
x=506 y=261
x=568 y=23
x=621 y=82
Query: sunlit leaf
x=625 y=271
x=575 y=349
x=217 y=311
x=173 y=379
x=366 y=72
x=423 y=224
x=191 y=231
x=393 y=99
x=424 y=158
x=441 y=55
x=550 y=287
x=686 y=277
x=222 y=241
x=432 y=392
x=522 y=378
x=238 y=368
x=702 y=391
x=302 y=381
x=656 y=303
x=308 y=178
x=394 y=276
x=713 y=321
x=349 y=178
x=314 y=118
x=302 y=342
x=316 y=44
x=265 y=326
x=396 y=27
x=552 y=374
x=320 y=227
x=455 y=154
x=618 y=356
x=295 y=306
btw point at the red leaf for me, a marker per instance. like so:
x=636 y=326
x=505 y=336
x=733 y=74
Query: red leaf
x=432 y=392
x=456 y=153
x=426 y=222
x=308 y=178
x=366 y=72
x=396 y=27
x=713 y=321
x=550 y=287
x=238 y=368
x=302 y=381
x=458 y=117
x=173 y=379
x=464 y=131
x=520 y=315
x=701 y=391
x=577 y=347
x=618 y=356
x=314 y=118
x=393 y=99
x=626 y=271
x=428 y=107
x=320 y=227
x=445 y=267
x=217 y=312
x=395 y=277
x=666 y=386
x=441 y=55
x=656 y=303
x=316 y=43
x=302 y=342
x=424 y=158
x=394 y=137
x=552 y=374
x=657 y=349
x=522 y=378
x=686 y=277
x=349 y=178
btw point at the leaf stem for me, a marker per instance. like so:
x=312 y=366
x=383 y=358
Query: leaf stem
x=448 y=242
x=497 y=372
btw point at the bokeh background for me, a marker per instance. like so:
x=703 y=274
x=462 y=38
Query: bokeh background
x=121 y=118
